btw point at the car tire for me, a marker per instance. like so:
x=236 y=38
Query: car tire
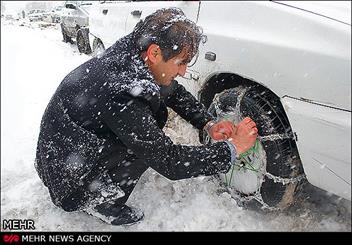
x=98 y=47
x=66 y=38
x=82 y=40
x=281 y=160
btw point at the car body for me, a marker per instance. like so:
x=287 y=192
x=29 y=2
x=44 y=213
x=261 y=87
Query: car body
x=299 y=51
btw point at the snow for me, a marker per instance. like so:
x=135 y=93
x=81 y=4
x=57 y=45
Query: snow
x=137 y=90
x=34 y=61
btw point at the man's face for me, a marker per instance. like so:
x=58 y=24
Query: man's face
x=165 y=72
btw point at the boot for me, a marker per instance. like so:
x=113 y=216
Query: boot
x=116 y=214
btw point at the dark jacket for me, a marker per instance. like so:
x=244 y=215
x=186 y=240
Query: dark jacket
x=111 y=108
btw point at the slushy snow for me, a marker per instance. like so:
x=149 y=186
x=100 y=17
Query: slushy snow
x=33 y=63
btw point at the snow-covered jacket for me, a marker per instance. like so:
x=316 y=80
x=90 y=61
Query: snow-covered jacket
x=111 y=107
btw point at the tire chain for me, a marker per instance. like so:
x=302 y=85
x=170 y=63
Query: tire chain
x=257 y=195
x=277 y=179
x=285 y=181
x=240 y=199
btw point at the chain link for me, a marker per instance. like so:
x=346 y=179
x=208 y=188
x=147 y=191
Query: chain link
x=285 y=181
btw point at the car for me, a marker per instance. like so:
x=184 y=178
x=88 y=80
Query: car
x=38 y=15
x=75 y=24
x=287 y=65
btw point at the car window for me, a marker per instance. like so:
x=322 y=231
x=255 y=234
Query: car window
x=71 y=2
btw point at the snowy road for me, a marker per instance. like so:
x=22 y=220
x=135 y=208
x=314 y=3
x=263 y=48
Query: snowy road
x=33 y=63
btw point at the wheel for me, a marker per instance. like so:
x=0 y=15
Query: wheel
x=98 y=47
x=83 y=41
x=271 y=172
x=66 y=38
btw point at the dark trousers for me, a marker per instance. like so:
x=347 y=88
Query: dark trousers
x=129 y=172
x=127 y=175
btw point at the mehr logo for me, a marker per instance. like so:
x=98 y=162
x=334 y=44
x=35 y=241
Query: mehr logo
x=11 y=238
x=18 y=224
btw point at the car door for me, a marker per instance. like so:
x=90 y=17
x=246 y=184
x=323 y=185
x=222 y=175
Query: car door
x=108 y=20
x=140 y=9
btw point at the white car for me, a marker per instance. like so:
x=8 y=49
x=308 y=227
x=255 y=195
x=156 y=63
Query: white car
x=287 y=65
x=75 y=23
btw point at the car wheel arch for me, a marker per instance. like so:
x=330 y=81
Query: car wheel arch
x=218 y=82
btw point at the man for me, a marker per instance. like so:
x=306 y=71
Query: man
x=102 y=128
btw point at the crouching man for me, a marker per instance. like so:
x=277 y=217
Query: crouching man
x=102 y=128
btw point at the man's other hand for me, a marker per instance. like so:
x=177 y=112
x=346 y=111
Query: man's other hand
x=245 y=135
x=222 y=130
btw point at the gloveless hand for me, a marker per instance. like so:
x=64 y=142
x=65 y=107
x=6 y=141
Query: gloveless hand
x=245 y=135
x=222 y=130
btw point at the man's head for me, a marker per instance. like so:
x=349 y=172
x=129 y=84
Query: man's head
x=168 y=41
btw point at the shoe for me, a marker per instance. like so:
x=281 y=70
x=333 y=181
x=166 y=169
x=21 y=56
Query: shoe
x=128 y=216
x=116 y=214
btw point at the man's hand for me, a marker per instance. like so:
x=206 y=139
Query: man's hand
x=221 y=130
x=245 y=135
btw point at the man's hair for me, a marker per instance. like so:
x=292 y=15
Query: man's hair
x=171 y=31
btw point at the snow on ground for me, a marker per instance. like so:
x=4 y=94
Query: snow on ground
x=33 y=62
